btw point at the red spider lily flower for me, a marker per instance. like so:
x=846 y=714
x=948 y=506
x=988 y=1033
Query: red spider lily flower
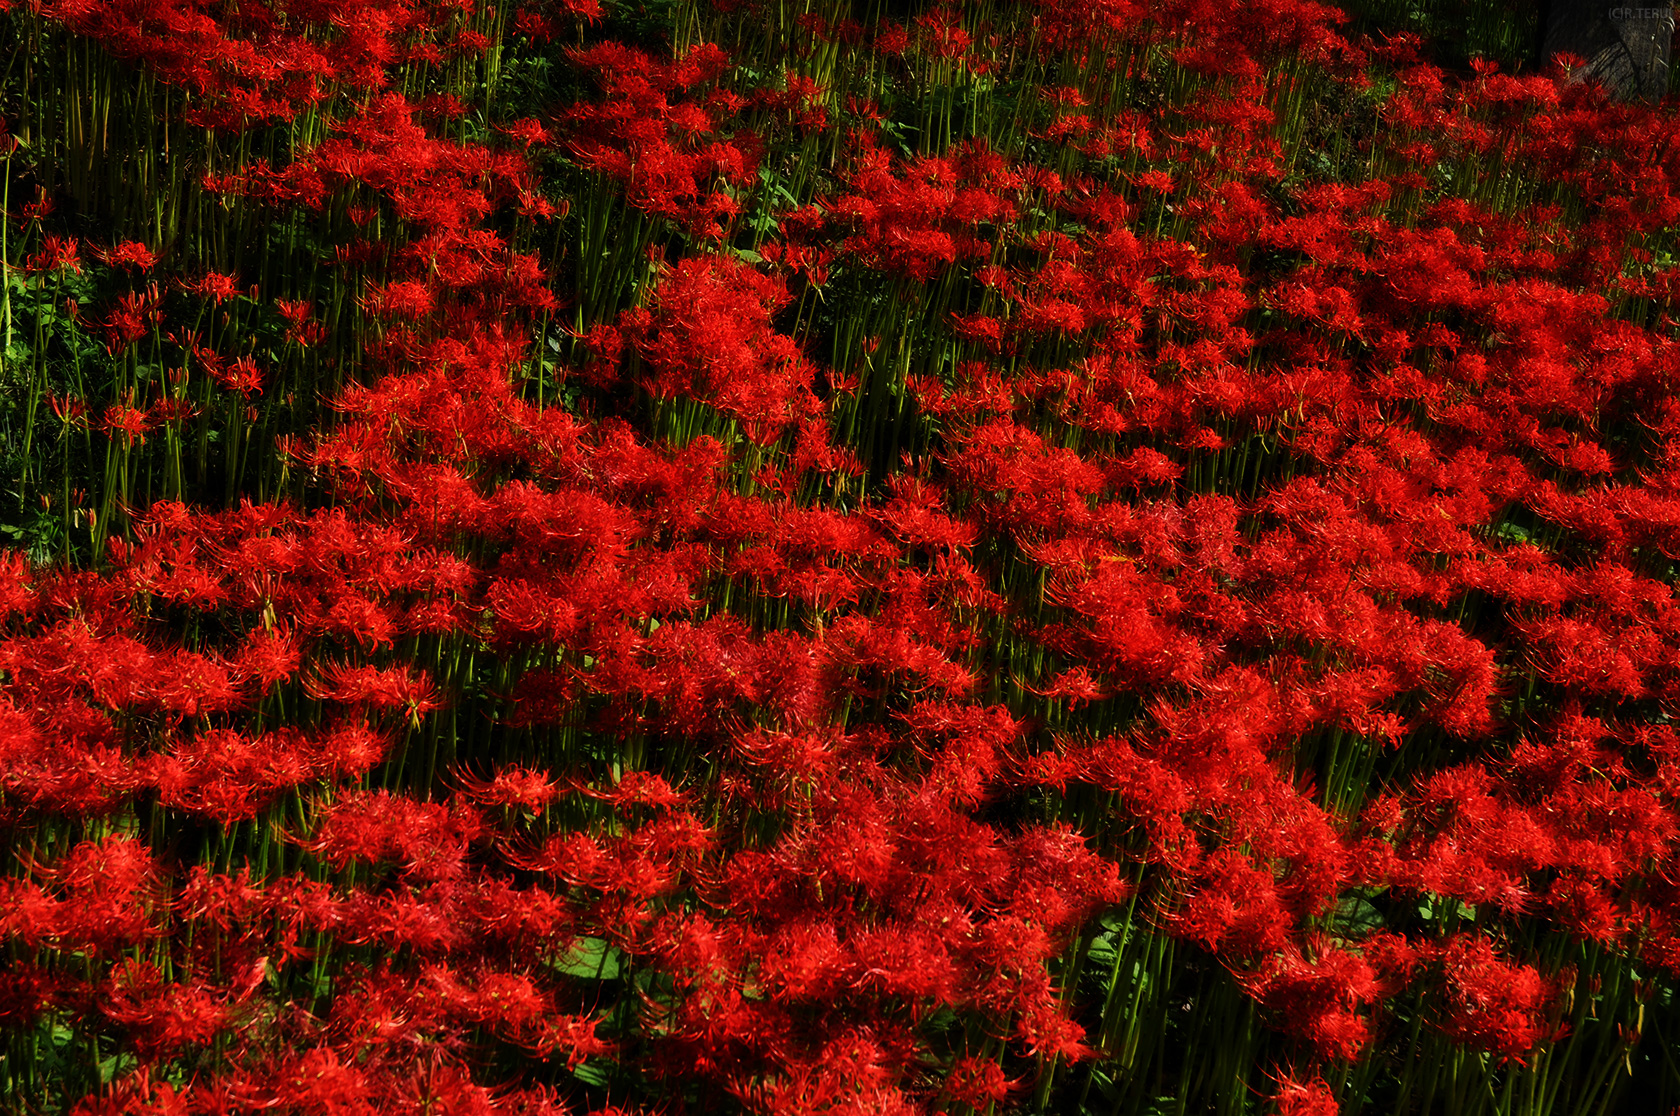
x=710 y=336
x=512 y=786
x=978 y=1083
x=1489 y=1003
x=128 y=423
x=352 y=749
x=1305 y=1098
x=319 y=1080
x=130 y=253
x=1059 y=880
x=110 y=895
x=219 y=900
x=173 y=412
x=301 y=329
x=213 y=286
x=1156 y=181
x=853 y=1069
x=916 y=515
x=268 y=656
x=188 y=685
x=891 y=39
x=444 y=106
x=17 y=581
x=1237 y=911
x=1075 y=685
x=80 y=775
x=223 y=775
x=429 y=841
x=242 y=375
x=31 y=913
x=575 y=1036
x=540 y=208
x=56 y=253
x=1588 y=911
x=1048 y=1033
x=470 y=42
x=382 y=688
x=803 y=960
x=26 y=993
x=526 y=132
x=129 y=320
x=404 y=299
x=637 y=788
x=1318 y=999
x=361 y=616
x=162 y=1018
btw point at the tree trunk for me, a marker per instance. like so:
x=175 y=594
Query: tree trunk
x=1626 y=48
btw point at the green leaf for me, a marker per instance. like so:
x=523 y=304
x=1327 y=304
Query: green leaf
x=591 y=959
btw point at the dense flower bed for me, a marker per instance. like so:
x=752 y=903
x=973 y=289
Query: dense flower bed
x=689 y=557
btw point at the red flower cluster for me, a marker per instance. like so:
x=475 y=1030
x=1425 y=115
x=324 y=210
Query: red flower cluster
x=851 y=705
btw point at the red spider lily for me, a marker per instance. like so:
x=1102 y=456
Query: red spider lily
x=1238 y=911
x=213 y=286
x=427 y=840
x=227 y=776
x=1318 y=999
x=117 y=672
x=575 y=1036
x=801 y=102
x=630 y=137
x=853 y=1069
x=56 y=253
x=915 y=515
x=512 y=786
x=1383 y=398
x=527 y=131
x=128 y=254
x=242 y=375
x=1047 y=1033
x=128 y=423
x=1305 y=1098
x=320 y=1079
x=26 y=993
x=269 y=656
x=109 y=898
x=920 y=221
x=17 y=589
x=629 y=872
x=162 y=1018
x=977 y=1083
x=300 y=329
x=380 y=688
x=82 y=776
x=1489 y=1003
x=710 y=337
x=405 y=299
x=130 y=319
x=637 y=788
